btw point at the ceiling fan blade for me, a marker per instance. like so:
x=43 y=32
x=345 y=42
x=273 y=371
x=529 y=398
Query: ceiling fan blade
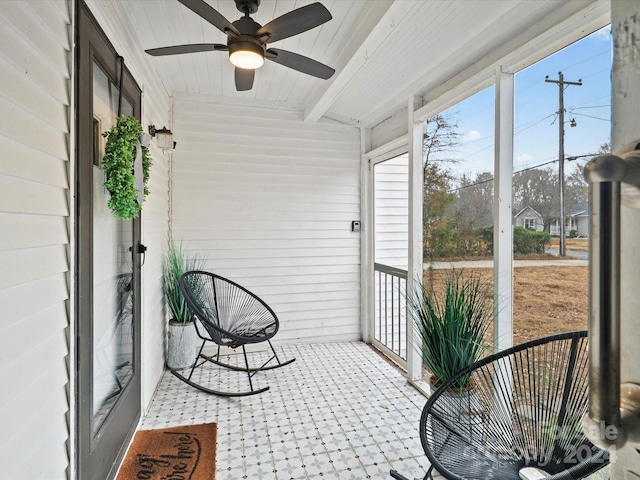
x=295 y=22
x=210 y=14
x=191 y=48
x=244 y=79
x=300 y=63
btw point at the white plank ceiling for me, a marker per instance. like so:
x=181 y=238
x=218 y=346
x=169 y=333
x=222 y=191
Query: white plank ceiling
x=383 y=50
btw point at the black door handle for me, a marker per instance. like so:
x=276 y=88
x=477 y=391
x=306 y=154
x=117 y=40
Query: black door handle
x=141 y=249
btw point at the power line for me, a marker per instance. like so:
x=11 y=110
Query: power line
x=491 y=179
x=571 y=157
x=536 y=166
x=471 y=185
x=591 y=116
x=571 y=109
x=515 y=133
x=534 y=124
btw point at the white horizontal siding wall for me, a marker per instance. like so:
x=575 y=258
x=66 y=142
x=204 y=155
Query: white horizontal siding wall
x=35 y=86
x=155 y=228
x=269 y=200
x=391 y=211
x=121 y=31
x=390 y=129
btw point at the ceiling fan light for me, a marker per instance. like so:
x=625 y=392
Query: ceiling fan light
x=246 y=55
x=246 y=59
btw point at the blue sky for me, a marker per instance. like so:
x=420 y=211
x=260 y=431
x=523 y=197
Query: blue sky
x=536 y=105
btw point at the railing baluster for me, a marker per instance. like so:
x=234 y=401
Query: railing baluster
x=395 y=284
x=385 y=309
x=398 y=316
x=393 y=337
x=379 y=310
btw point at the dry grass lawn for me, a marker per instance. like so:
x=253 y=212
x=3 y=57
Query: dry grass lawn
x=574 y=244
x=547 y=300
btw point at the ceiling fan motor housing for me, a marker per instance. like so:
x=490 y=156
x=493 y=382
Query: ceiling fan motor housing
x=246 y=50
x=250 y=6
x=246 y=40
x=249 y=45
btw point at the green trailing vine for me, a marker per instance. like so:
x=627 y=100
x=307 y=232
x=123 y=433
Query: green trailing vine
x=117 y=165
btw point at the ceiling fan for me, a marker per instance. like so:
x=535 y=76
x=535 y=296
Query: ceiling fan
x=247 y=40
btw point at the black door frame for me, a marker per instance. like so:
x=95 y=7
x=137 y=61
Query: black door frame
x=98 y=455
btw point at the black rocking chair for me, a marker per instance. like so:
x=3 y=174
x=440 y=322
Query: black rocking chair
x=515 y=414
x=232 y=317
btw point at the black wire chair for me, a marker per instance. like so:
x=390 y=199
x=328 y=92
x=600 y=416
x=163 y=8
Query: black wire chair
x=231 y=316
x=518 y=409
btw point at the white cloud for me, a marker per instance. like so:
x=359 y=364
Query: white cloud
x=471 y=136
x=524 y=158
x=603 y=34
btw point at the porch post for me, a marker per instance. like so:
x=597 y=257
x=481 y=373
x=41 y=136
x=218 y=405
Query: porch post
x=625 y=102
x=415 y=266
x=502 y=212
x=366 y=238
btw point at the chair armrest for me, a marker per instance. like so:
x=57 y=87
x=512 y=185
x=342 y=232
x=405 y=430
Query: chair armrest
x=397 y=476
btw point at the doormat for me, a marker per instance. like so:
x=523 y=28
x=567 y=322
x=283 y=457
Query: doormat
x=185 y=453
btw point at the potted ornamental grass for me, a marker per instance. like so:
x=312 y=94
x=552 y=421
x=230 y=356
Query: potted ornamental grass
x=182 y=336
x=452 y=320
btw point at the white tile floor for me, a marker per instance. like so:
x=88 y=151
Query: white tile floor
x=338 y=412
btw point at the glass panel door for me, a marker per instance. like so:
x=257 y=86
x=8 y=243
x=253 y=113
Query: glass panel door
x=112 y=268
x=107 y=266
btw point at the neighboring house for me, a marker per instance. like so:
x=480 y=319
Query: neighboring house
x=577 y=218
x=529 y=219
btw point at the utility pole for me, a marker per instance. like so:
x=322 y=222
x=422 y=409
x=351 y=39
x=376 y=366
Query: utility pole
x=561 y=86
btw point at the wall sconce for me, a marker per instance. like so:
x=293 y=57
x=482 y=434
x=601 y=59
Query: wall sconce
x=164 y=137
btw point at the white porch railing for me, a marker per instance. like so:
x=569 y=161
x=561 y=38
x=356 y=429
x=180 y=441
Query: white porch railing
x=555 y=229
x=390 y=312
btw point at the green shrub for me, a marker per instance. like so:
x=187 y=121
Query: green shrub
x=446 y=240
x=527 y=241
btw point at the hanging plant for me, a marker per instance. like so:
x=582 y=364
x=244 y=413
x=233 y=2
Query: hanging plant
x=117 y=164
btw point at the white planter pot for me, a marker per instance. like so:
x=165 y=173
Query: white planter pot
x=460 y=408
x=182 y=345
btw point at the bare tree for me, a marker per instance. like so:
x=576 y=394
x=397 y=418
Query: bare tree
x=537 y=188
x=576 y=187
x=440 y=141
x=474 y=200
x=604 y=148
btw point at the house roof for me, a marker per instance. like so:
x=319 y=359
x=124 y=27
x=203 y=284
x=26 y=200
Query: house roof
x=572 y=210
x=384 y=51
x=529 y=210
x=577 y=209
